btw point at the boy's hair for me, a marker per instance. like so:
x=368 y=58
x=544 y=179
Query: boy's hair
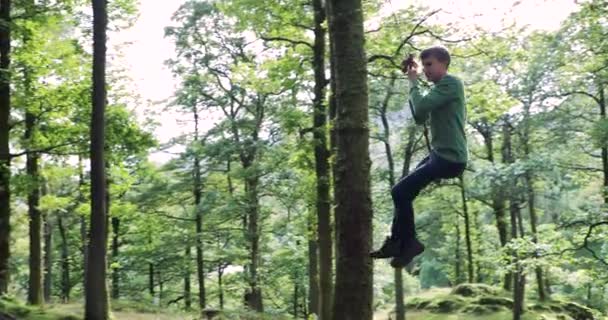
x=439 y=52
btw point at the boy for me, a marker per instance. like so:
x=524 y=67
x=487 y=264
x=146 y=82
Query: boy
x=445 y=106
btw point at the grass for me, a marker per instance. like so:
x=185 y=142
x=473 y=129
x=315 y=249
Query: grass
x=434 y=304
x=74 y=311
x=502 y=315
x=23 y=312
x=471 y=301
x=121 y=310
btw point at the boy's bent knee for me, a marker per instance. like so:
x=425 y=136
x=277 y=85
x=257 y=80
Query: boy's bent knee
x=402 y=191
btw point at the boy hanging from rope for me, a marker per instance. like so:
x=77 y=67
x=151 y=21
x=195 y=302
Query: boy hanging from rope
x=445 y=106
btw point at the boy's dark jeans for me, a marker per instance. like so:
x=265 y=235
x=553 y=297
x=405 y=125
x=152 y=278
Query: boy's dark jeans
x=431 y=168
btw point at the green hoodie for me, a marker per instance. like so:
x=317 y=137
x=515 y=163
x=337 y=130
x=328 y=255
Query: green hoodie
x=445 y=104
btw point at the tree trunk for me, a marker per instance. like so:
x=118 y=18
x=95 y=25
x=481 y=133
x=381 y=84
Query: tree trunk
x=498 y=199
x=458 y=267
x=35 y=294
x=519 y=281
x=198 y=192
x=333 y=114
x=398 y=272
x=96 y=292
x=84 y=235
x=533 y=222
x=467 y=232
x=322 y=165
x=115 y=253
x=478 y=249
x=248 y=155
x=187 y=275
x=151 y=279
x=48 y=256
x=5 y=159
x=313 y=268
x=602 y=104
x=529 y=179
x=253 y=297
x=519 y=293
x=65 y=262
x=410 y=149
x=399 y=296
x=498 y=206
x=354 y=283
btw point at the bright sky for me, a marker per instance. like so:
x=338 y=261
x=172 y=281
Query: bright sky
x=149 y=49
x=493 y=14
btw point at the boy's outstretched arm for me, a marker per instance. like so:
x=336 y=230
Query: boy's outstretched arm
x=442 y=93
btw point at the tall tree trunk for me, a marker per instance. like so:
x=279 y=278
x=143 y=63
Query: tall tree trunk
x=248 y=154
x=354 y=284
x=399 y=295
x=398 y=272
x=187 y=275
x=519 y=293
x=515 y=215
x=602 y=105
x=254 y=296
x=533 y=223
x=84 y=234
x=333 y=114
x=35 y=294
x=519 y=280
x=313 y=267
x=65 y=262
x=48 y=256
x=151 y=279
x=322 y=165
x=467 y=232
x=96 y=292
x=115 y=254
x=519 y=286
x=498 y=198
x=151 y=275
x=198 y=193
x=498 y=206
x=410 y=149
x=532 y=200
x=458 y=257
x=5 y=158
x=478 y=249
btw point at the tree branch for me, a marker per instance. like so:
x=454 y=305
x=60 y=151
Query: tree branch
x=293 y=42
x=44 y=150
x=585 y=244
x=413 y=32
x=566 y=94
x=383 y=57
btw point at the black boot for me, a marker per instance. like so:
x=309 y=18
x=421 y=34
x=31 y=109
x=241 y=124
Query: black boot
x=390 y=248
x=411 y=249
